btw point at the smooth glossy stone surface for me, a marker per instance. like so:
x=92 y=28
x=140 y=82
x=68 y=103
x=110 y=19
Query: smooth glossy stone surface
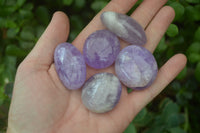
x=125 y=27
x=101 y=92
x=136 y=67
x=70 y=66
x=101 y=49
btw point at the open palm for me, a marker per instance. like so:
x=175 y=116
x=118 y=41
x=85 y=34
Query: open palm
x=41 y=104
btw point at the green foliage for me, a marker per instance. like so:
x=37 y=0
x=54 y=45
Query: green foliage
x=176 y=130
x=193 y=52
x=43 y=15
x=130 y=129
x=197 y=72
x=193 y=1
x=168 y=120
x=98 y=5
x=197 y=34
x=143 y=118
x=67 y=2
x=182 y=74
x=172 y=31
x=162 y=46
x=179 y=10
x=22 y=22
x=193 y=12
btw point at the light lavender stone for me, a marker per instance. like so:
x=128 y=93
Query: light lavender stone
x=70 y=66
x=101 y=49
x=124 y=27
x=136 y=67
x=101 y=92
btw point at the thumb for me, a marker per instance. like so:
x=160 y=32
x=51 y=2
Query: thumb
x=56 y=33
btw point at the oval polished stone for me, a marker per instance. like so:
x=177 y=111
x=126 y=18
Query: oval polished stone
x=124 y=27
x=101 y=49
x=136 y=67
x=101 y=92
x=70 y=66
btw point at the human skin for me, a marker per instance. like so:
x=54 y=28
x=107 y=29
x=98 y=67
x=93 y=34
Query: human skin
x=41 y=104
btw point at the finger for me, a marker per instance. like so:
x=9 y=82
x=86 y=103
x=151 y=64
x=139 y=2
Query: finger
x=146 y=11
x=56 y=32
x=158 y=27
x=138 y=99
x=120 y=6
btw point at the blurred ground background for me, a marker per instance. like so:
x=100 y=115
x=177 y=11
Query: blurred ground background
x=175 y=110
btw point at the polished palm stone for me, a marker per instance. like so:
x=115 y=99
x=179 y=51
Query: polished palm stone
x=70 y=66
x=101 y=49
x=125 y=27
x=136 y=67
x=101 y=92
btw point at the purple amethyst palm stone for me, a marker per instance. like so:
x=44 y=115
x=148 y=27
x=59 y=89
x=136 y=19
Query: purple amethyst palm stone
x=70 y=66
x=125 y=27
x=101 y=92
x=136 y=67
x=101 y=49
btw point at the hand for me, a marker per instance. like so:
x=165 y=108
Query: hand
x=41 y=104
